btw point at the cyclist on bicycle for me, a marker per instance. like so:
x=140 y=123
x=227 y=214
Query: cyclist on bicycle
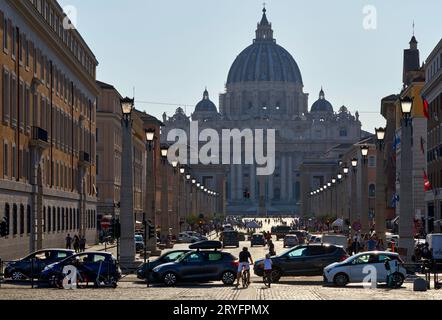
x=268 y=269
x=244 y=258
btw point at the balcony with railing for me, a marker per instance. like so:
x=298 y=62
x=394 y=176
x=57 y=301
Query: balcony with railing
x=39 y=138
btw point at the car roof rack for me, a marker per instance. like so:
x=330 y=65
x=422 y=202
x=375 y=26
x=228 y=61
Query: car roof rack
x=206 y=245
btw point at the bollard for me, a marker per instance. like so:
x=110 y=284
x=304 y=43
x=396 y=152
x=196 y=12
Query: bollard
x=420 y=285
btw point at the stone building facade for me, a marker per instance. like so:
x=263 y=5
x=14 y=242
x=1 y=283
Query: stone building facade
x=432 y=92
x=265 y=90
x=47 y=129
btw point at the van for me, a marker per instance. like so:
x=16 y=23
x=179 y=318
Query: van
x=435 y=244
x=230 y=239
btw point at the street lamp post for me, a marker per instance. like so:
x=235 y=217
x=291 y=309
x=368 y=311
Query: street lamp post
x=165 y=219
x=406 y=220
x=151 y=189
x=353 y=209
x=127 y=221
x=363 y=212
x=380 y=224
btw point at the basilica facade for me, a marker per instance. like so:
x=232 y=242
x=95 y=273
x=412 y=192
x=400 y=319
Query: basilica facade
x=265 y=90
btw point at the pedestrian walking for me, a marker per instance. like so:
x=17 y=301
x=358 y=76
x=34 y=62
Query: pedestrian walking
x=68 y=241
x=271 y=248
x=380 y=246
x=76 y=244
x=82 y=244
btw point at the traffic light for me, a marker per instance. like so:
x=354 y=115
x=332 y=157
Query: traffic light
x=3 y=232
x=116 y=228
x=151 y=231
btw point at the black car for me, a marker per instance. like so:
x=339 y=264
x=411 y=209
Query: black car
x=281 y=231
x=302 y=260
x=230 y=239
x=257 y=239
x=198 y=266
x=32 y=265
x=92 y=267
x=171 y=256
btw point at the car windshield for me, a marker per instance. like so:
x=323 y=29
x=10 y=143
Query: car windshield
x=173 y=256
x=138 y=238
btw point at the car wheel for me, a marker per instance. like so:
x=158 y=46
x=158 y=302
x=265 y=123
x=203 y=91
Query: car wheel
x=341 y=280
x=17 y=276
x=228 y=278
x=276 y=275
x=398 y=280
x=170 y=279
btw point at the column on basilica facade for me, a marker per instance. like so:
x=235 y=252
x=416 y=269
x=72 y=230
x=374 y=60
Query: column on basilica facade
x=283 y=177
x=232 y=183
x=290 y=178
x=270 y=195
x=252 y=182
x=240 y=190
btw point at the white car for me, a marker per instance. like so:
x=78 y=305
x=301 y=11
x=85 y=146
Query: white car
x=356 y=268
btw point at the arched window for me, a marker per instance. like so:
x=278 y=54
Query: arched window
x=70 y=219
x=28 y=219
x=14 y=220
x=54 y=219
x=58 y=219
x=7 y=218
x=44 y=219
x=22 y=219
x=49 y=219
x=372 y=191
x=62 y=219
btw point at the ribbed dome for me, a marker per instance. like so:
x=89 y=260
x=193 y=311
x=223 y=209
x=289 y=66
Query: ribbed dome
x=264 y=60
x=322 y=105
x=205 y=105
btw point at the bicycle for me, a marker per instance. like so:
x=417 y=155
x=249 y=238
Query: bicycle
x=245 y=278
x=267 y=278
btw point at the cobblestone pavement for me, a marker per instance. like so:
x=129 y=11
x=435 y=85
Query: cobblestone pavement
x=289 y=289
x=299 y=288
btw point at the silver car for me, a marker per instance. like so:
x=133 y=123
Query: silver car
x=290 y=241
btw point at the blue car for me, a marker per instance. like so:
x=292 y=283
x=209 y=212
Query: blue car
x=32 y=265
x=144 y=271
x=92 y=267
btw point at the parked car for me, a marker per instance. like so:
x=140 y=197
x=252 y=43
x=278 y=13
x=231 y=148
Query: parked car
x=171 y=256
x=281 y=231
x=184 y=237
x=337 y=240
x=196 y=235
x=230 y=239
x=352 y=269
x=92 y=267
x=315 y=238
x=302 y=260
x=257 y=239
x=301 y=235
x=290 y=241
x=139 y=243
x=204 y=265
x=32 y=265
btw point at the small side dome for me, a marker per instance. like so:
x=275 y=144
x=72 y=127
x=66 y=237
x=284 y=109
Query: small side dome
x=205 y=105
x=322 y=105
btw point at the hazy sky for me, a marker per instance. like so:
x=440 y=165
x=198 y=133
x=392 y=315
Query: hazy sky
x=169 y=50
